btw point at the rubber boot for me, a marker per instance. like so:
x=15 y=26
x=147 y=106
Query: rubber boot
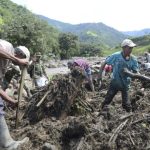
x=6 y=141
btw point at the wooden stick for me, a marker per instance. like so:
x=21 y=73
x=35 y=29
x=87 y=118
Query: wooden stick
x=80 y=145
x=131 y=139
x=125 y=116
x=23 y=74
x=42 y=100
x=116 y=132
x=138 y=76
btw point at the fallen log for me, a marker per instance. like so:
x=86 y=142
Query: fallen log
x=134 y=75
x=43 y=98
x=116 y=132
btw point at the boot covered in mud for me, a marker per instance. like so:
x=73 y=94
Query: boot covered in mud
x=6 y=141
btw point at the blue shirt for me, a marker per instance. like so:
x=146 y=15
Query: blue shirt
x=118 y=63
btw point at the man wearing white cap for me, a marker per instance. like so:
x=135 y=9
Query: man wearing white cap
x=14 y=72
x=6 y=56
x=120 y=81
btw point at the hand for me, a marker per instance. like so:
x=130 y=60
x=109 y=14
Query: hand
x=13 y=103
x=23 y=62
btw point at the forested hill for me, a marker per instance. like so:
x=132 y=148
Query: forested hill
x=138 y=33
x=21 y=27
x=90 y=32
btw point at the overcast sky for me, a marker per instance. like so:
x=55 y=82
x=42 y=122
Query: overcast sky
x=123 y=15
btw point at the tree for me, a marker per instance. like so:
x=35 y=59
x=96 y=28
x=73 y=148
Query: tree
x=31 y=32
x=89 y=50
x=69 y=45
x=20 y=27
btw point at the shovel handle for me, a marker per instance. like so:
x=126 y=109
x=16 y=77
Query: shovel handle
x=23 y=74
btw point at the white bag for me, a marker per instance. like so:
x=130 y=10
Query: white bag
x=42 y=81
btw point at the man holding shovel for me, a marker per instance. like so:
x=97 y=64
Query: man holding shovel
x=6 y=56
x=120 y=81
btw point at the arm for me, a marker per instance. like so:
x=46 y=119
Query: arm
x=101 y=70
x=6 y=97
x=100 y=73
x=6 y=55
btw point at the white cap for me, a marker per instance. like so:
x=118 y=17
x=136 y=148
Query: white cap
x=25 y=51
x=7 y=46
x=128 y=42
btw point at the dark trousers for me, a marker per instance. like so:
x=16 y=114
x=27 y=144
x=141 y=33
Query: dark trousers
x=112 y=91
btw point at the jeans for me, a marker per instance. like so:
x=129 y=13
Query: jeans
x=112 y=91
x=1 y=106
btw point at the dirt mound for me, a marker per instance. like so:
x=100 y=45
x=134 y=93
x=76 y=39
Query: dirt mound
x=55 y=99
x=84 y=125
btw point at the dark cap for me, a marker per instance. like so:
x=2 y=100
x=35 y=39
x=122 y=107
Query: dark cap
x=38 y=54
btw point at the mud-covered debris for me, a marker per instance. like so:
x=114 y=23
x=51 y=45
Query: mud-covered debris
x=112 y=129
x=57 y=97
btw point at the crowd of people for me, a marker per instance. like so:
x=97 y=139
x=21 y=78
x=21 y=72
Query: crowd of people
x=12 y=60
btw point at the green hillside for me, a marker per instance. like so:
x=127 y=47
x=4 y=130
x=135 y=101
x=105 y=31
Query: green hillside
x=95 y=33
x=21 y=27
x=143 y=45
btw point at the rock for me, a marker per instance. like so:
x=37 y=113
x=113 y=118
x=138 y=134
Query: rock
x=48 y=146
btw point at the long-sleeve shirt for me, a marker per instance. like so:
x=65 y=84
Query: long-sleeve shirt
x=3 y=66
x=118 y=63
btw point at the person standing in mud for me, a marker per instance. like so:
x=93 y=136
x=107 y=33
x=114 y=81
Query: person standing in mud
x=14 y=72
x=147 y=57
x=120 y=81
x=6 y=56
x=37 y=71
x=85 y=66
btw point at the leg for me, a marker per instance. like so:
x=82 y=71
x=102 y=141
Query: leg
x=90 y=80
x=88 y=74
x=112 y=91
x=6 y=140
x=125 y=100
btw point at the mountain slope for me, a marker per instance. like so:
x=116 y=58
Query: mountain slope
x=95 y=33
x=138 y=33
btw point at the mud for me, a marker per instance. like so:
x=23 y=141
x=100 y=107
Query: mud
x=84 y=126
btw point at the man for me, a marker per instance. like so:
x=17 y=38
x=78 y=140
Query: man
x=147 y=57
x=120 y=81
x=37 y=71
x=85 y=66
x=6 y=56
x=145 y=66
x=13 y=71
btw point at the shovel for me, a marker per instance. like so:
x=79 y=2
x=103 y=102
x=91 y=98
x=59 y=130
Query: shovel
x=23 y=74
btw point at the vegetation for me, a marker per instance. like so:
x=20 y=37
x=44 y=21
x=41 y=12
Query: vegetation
x=143 y=45
x=21 y=27
x=69 y=45
x=91 y=33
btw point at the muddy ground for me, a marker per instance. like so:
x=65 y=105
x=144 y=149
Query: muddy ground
x=84 y=126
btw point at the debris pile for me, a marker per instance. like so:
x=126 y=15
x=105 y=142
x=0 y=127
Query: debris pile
x=56 y=98
x=54 y=123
